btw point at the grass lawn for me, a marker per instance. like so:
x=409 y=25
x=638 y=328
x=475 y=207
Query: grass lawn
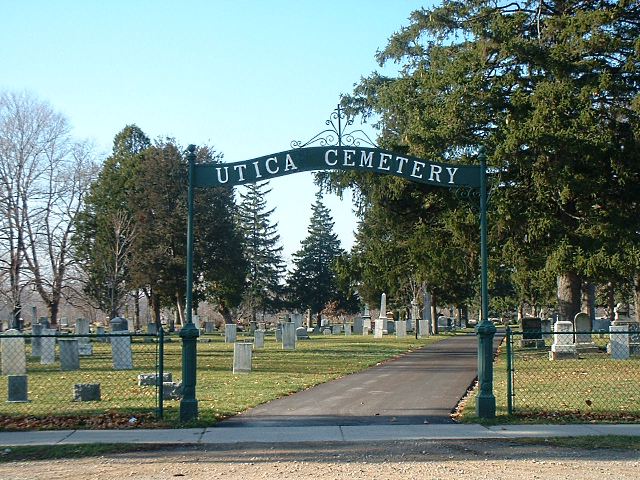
x=220 y=393
x=592 y=387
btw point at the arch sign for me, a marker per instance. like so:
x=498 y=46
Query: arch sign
x=373 y=160
x=364 y=159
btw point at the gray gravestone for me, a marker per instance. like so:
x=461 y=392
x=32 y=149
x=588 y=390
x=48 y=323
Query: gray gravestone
x=326 y=331
x=347 y=329
x=100 y=331
x=443 y=324
x=121 y=353
x=151 y=379
x=288 y=336
x=209 y=327
x=14 y=357
x=119 y=324
x=152 y=328
x=545 y=325
x=358 y=325
x=69 y=354
x=582 y=326
x=86 y=392
x=302 y=334
x=423 y=328
x=401 y=329
x=230 y=332
x=336 y=329
x=48 y=346
x=297 y=319
x=391 y=326
x=17 y=388
x=253 y=326
x=242 y=357
x=279 y=332
x=258 y=339
x=36 y=341
x=171 y=390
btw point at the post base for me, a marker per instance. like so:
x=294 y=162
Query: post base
x=486 y=406
x=188 y=410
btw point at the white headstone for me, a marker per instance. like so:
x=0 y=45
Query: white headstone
x=196 y=321
x=14 y=357
x=347 y=328
x=379 y=327
x=619 y=346
x=563 y=346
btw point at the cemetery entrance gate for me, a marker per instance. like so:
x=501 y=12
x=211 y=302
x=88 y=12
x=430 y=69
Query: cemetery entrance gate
x=365 y=159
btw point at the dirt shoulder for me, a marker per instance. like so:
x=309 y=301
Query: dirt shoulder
x=380 y=460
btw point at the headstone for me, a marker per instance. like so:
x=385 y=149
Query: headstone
x=381 y=322
x=358 y=324
x=86 y=392
x=69 y=355
x=230 y=333
x=258 y=339
x=121 y=353
x=298 y=319
x=279 y=332
x=242 y=357
x=151 y=379
x=391 y=326
x=443 y=324
x=100 y=331
x=209 y=327
x=48 y=346
x=119 y=324
x=366 y=325
x=253 y=326
x=152 y=328
x=17 y=388
x=64 y=322
x=324 y=322
x=401 y=329
x=44 y=321
x=288 y=336
x=423 y=328
x=85 y=349
x=14 y=357
x=326 y=331
x=171 y=390
x=532 y=333
x=301 y=333
x=82 y=328
x=601 y=324
x=545 y=326
x=336 y=329
x=36 y=340
x=582 y=325
x=347 y=329
x=379 y=327
x=619 y=346
x=196 y=321
x=563 y=347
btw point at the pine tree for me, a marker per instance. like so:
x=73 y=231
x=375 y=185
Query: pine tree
x=312 y=283
x=262 y=251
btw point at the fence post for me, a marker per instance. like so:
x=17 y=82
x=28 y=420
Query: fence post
x=509 y=338
x=160 y=376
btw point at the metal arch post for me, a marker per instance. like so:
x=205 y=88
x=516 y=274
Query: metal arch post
x=189 y=333
x=485 y=401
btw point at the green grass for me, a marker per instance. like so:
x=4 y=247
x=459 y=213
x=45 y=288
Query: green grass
x=591 y=388
x=220 y=393
x=608 y=442
x=45 y=452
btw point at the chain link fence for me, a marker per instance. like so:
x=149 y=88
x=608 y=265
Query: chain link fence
x=594 y=375
x=87 y=379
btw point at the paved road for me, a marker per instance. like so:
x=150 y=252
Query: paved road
x=418 y=388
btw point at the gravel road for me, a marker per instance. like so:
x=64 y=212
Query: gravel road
x=381 y=460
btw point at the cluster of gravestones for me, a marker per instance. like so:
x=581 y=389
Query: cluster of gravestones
x=13 y=356
x=573 y=337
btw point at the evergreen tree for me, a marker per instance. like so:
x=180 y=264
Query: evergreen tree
x=312 y=283
x=551 y=89
x=262 y=252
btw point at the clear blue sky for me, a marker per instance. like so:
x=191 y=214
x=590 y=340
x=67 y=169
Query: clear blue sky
x=244 y=76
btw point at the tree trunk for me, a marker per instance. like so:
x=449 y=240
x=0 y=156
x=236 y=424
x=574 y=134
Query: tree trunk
x=611 y=302
x=155 y=309
x=434 y=315
x=569 y=298
x=636 y=295
x=589 y=301
x=136 y=310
